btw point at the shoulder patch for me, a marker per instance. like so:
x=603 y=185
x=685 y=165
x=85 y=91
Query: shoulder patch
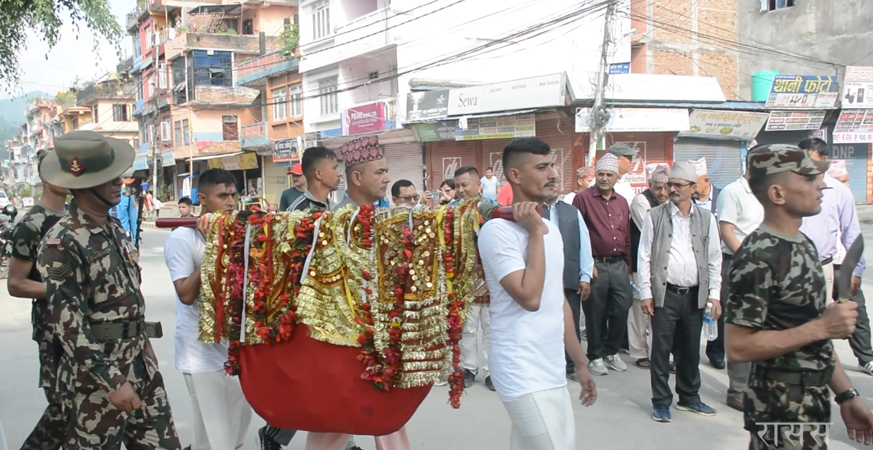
x=52 y=241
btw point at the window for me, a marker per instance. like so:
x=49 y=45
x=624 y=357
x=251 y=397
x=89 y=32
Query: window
x=295 y=94
x=321 y=21
x=229 y=129
x=94 y=115
x=149 y=38
x=327 y=95
x=119 y=113
x=165 y=131
x=162 y=76
x=280 y=104
x=211 y=70
x=177 y=128
x=773 y=5
x=186 y=132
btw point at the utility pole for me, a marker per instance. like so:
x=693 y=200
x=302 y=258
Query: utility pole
x=599 y=118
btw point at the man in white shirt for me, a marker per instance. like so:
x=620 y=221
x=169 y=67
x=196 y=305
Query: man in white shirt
x=531 y=321
x=680 y=274
x=626 y=155
x=489 y=184
x=221 y=413
x=740 y=214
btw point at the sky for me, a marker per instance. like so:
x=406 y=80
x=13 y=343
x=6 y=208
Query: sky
x=71 y=57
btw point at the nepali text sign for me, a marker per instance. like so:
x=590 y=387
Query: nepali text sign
x=504 y=127
x=245 y=161
x=854 y=126
x=713 y=124
x=433 y=132
x=367 y=118
x=287 y=150
x=803 y=92
x=623 y=120
x=858 y=88
x=795 y=120
x=538 y=92
x=427 y=105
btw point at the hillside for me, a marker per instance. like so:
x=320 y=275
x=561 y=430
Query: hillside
x=12 y=109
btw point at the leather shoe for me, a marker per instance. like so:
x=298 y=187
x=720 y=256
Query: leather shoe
x=717 y=363
x=736 y=402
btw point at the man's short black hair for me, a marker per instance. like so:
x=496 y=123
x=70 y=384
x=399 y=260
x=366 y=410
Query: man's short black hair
x=214 y=177
x=313 y=155
x=815 y=145
x=186 y=201
x=467 y=169
x=760 y=185
x=489 y=168
x=523 y=146
x=399 y=184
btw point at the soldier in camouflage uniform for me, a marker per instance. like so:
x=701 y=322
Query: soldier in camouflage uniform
x=776 y=313
x=115 y=393
x=24 y=282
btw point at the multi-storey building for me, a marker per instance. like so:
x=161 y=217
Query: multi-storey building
x=111 y=102
x=189 y=107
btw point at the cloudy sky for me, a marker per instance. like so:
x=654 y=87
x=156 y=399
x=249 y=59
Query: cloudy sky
x=71 y=57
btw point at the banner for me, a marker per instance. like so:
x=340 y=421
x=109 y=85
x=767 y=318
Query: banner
x=287 y=150
x=795 y=120
x=803 y=92
x=245 y=161
x=427 y=104
x=367 y=118
x=433 y=132
x=854 y=126
x=724 y=124
x=858 y=88
x=504 y=127
x=637 y=119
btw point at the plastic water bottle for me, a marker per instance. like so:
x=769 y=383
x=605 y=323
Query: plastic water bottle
x=710 y=326
x=634 y=286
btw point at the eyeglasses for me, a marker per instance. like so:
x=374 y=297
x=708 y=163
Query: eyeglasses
x=410 y=198
x=671 y=184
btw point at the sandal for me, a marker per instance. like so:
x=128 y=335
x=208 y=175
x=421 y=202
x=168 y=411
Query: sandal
x=643 y=363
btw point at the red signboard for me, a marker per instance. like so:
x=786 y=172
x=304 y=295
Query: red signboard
x=364 y=119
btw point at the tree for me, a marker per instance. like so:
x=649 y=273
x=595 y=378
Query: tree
x=45 y=17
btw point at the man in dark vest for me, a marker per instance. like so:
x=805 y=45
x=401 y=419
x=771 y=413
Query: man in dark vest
x=578 y=262
x=639 y=326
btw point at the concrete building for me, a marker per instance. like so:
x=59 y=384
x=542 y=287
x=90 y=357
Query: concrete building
x=111 y=102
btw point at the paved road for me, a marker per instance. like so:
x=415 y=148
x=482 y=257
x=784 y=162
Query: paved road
x=620 y=419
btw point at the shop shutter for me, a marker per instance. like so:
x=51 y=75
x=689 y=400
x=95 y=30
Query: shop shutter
x=492 y=156
x=276 y=180
x=558 y=133
x=405 y=162
x=444 y=157
x=724 y=160
x=855 y=156
x=653 y=148
x=782 y=137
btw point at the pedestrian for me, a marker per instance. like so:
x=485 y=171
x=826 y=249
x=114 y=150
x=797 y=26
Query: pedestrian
x=323 y=175
x=403 y=193
x=221 y=414
x=639 y=325
x=127 y=211
x=366 y=184
x=115 y=392
x=680 y=276
x=24 y=281
x=607 y=216
x=523 y=263
x=447 y=191
x=578 y=262
x=489 y=184
x=838 y=220
x=186 y=207
x=584 y=176
x=777 y=316
x=298 y=187
x=625 y=155
x=740 y=214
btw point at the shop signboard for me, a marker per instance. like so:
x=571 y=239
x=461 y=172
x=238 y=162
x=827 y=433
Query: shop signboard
x=854 y=126
x=803 y=92
x=537 y=92
x=502 y=127
x=427 y=104
x=622 y=120
x=432 y=132
x=858 y=88
x=367 y=118
x=795 y=120
x=287 y=150
x=712 y=124
x=244 y=161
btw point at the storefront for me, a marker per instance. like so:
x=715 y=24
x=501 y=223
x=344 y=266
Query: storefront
x=170 y=188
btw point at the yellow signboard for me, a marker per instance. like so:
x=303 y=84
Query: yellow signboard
x=245 y=161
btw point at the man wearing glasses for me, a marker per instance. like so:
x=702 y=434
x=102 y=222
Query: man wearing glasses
x=403 y=193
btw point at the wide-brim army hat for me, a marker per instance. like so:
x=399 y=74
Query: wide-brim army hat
x=85 y=159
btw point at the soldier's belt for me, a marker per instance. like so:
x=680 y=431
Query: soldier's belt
x=810 y=378
x=107 y=331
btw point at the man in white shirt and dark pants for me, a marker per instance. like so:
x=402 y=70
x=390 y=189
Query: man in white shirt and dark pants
x=221 y=414
x=531 y=321
x=680 y=272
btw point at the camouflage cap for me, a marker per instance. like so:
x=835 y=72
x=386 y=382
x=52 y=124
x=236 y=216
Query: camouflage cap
x=779 y=158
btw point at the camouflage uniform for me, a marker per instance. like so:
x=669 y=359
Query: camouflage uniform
x=49 y=431
x=777 y=283
x=92 y=278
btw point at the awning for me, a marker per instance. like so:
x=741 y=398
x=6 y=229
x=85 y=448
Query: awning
x=473 y=116
x=206 y=157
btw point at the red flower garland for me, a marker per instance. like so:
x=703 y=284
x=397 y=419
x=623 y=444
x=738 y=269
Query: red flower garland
x=236 y=271
x=453 y=318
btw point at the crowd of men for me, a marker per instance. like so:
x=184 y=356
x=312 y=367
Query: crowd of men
x=634 y=271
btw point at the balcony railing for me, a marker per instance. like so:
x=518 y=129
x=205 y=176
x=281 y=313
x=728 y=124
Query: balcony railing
x=254 y=130
x=105 y=90
x=255 y=71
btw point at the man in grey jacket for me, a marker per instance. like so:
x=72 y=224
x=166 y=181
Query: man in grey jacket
x=679 y=263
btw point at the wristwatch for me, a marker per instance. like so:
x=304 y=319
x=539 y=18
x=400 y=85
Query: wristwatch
x=846 y=396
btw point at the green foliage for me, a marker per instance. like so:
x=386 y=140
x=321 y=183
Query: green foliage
x=45 y=17
x=66 y=98
x=290 y=37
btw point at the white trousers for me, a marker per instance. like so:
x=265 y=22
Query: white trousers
x=639 y=329
x=337 y=441
x=828 y=270
x=542 y=421
x=221 y=413
x=479 y=315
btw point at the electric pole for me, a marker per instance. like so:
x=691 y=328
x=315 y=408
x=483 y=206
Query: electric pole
x=599 y=118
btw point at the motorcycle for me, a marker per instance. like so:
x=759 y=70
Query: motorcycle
x=6 y=226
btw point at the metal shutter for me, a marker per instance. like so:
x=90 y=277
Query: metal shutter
x=653 y=148
x=405 y=162
x=276 y=180
x=724 y=160
x=782 y=137
x=492 y=156
x=856 y=158
x=444 y=157
x=558 y=133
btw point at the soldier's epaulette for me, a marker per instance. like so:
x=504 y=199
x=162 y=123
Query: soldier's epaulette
x=53 y=241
